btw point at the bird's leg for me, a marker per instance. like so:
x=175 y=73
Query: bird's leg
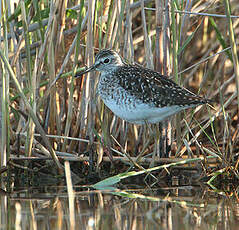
x=157 y=140
x=156 y=151
x=155 y=133
x=165 y=139
x=106 y=149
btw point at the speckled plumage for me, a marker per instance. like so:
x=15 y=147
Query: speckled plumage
x=138 y=94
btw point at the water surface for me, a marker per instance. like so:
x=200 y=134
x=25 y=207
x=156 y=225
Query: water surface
x=186 y=207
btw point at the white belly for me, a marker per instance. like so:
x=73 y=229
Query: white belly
x=141 y=113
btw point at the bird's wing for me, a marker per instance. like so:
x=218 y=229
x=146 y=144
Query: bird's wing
x=151 y=87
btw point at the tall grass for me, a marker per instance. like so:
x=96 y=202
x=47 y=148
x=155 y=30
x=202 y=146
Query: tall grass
x=44 y=43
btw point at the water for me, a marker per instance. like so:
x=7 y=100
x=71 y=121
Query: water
x=186 y=207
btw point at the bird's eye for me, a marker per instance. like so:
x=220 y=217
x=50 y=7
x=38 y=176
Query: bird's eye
x=107 y=60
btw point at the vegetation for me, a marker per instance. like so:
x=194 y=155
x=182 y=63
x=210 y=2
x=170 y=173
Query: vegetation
x=47 y=114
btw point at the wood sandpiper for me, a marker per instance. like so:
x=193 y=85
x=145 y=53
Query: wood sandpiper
x=137 y=94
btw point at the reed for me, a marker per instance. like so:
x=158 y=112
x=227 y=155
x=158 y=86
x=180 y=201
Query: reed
x=44 y=43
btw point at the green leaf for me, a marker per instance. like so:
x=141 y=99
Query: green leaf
x=188 y=40
x=72 y=14
x=220 y=37
x=17 y=11
x=106 y=182
x=115 y=179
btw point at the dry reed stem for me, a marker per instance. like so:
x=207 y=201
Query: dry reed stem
x=133 y=29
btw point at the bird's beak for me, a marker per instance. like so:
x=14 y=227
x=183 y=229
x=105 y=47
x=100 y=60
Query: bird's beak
x=88 y=69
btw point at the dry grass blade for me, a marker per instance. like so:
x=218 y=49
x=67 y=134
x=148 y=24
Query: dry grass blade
x=47 y=41
x=30 y=110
